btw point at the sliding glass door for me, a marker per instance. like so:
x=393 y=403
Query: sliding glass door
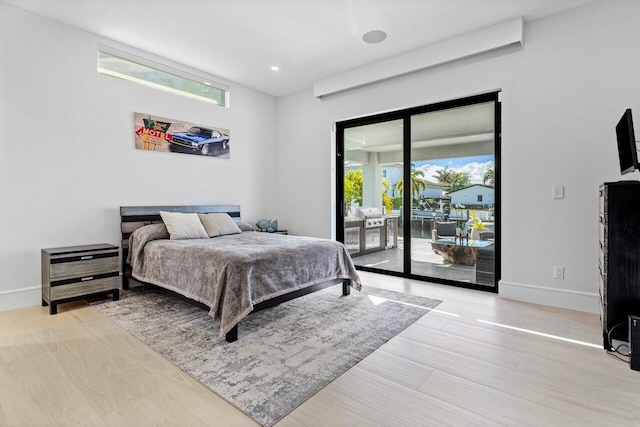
x=372 y=166
x=453 y=160
x=418 y=192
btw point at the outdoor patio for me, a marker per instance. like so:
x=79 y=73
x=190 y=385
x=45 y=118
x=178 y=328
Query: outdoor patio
x=424 y=262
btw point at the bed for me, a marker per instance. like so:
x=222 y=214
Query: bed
x=231 y=275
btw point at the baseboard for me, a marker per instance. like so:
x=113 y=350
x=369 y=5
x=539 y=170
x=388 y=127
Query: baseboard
x=562 y=298
x=18 y=298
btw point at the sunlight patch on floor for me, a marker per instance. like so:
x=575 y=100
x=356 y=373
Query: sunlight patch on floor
x=377 y=263
x=541 y=334
x=446 y=313
x=379 y=300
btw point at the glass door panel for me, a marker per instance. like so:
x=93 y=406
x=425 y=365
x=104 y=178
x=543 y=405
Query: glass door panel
x=453 y=174
x=373 y=171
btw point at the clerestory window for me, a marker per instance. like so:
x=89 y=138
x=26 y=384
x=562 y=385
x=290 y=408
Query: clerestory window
x=116 y=63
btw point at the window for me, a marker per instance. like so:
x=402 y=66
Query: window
x=479 y=197
x=115 y=63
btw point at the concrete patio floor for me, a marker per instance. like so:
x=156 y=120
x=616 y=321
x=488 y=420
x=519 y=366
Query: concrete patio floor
x=424 y=262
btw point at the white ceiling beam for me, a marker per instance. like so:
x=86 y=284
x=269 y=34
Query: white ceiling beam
x=490 y=38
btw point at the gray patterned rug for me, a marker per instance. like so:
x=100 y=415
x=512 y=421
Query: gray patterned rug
x=283 y=356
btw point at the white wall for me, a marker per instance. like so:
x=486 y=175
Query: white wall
x=562 y=95
x=67 y=156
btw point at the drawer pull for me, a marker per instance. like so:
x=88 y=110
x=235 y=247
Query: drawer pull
x=86 y=257
x=84 y=279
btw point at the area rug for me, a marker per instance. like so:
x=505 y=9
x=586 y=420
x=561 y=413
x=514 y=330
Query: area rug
x=283 y=356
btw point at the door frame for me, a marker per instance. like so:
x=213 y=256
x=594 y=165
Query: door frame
x=406 y=115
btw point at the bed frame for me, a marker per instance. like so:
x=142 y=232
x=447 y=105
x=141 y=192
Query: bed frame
x=134 y=217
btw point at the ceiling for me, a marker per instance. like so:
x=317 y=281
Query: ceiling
x=470 y=124
x=466 y=124
x=239 y=40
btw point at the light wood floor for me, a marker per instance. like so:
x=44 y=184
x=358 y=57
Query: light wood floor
x=458 y=365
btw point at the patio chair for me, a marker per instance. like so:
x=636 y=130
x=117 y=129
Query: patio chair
x=485 y=235
x=443 y=230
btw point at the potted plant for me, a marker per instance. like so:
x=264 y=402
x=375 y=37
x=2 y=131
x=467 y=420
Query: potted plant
x=475 y=225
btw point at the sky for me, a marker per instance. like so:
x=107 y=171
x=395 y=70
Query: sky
x=475 y=166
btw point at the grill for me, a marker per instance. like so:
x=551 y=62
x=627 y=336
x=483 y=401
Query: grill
x=371 y=216
x=182 y=142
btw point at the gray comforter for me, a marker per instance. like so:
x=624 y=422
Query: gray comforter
x=232 y=273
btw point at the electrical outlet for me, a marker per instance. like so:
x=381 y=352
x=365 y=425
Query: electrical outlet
x=558 y=191
x=558 y=272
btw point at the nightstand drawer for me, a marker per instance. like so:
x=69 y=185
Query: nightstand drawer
x=85 y=265
x=84 y=287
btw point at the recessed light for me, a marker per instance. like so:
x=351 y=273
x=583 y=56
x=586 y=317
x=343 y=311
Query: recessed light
x=374 y=36
x=275 y=68
x=207 y=83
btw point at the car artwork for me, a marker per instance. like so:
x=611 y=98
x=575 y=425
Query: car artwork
x=199 y=140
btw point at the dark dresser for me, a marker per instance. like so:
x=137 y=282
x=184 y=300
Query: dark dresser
x=619 y=257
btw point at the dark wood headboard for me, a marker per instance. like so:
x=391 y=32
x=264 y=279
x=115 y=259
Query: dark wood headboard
x=134 y=217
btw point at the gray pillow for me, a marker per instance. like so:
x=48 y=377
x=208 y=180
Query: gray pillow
x=183 y=225
x=219 y=224
x=245 y=226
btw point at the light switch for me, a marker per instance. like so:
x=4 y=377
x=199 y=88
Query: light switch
x=558 y=191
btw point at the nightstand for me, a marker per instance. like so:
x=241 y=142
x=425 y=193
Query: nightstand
x=74 y=272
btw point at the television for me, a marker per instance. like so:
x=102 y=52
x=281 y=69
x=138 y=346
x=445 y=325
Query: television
x=627 y=151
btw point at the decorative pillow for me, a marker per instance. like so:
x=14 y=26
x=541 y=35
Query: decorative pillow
x=219 y=224
x=183 y=225
x=245 y=226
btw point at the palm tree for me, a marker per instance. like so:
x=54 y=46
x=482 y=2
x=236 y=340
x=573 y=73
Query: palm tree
x=352 y=188
x=443 y=175
x=418 y=183
x=489 y=175
x=458 y=180
x=453 y=180
x=353 y=182
x=387 y=201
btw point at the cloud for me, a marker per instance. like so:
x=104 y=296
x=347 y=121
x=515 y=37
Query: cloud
x=430 y=171
x=475 y=170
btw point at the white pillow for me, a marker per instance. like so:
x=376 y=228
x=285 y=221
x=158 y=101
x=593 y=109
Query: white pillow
x=183 y=225
x=219 y=224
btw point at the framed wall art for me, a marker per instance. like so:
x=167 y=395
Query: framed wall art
x=155 y=133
